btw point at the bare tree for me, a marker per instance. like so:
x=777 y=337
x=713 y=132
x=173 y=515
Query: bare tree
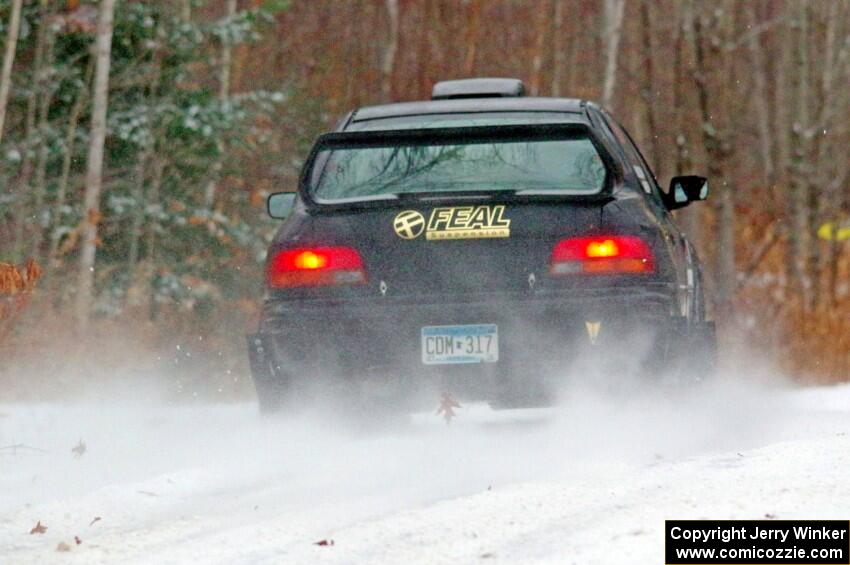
x=42 y=83
x=799 y=164
x=223 y=96
x=186 y=10
x=153 y=198
x=613 y=30
x=9 y=60
x=782 y=100
x=543 y=18
x=715 y=137
x=153 y=195
x=388 y=64
x=226 y=55
x=94 y=165
x=557 y=47
x=23 y=188
x=473 y=17
x=146 y=155
x=648 y=89
x=824 y=189
x=65 y=173
x=690 y=216
x=422 y=48
x=760 y=101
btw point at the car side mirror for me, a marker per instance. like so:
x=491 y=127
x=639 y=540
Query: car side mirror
x=686 y=189
x=280 y=204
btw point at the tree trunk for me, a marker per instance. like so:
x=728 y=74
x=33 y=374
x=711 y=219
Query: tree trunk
x=153 y=199
x=539 y=48
x=5 y=87
x=157 y=165
x=727 y=273
x=388 y=64
x=473 y=17
x=832 y=194
x=835 y=248
x=824 y=192
x=683 y=156
x=226 y=56
x=759 y=99
x=9 y=60
x=648 y=90
x=717 y=148
x=41 y=220
x=138 y=215
x=185 y=10
x=23 y=188
x=573 y=50
x=800 y=213
x=782 y=102
x=423 y=52
x=94 y=165
x=65 y=174
x=223 y=96
x=613 y=25
x=436 y=48
x=684 y=160
x=139 y=284
x=558 y=53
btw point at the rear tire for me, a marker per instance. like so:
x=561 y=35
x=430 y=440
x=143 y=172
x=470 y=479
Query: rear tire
x=281 y=392
x=694 y=360
x=704 y=347
x=271 y=393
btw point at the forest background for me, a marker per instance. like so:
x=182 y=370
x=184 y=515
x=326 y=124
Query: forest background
x=139 y=140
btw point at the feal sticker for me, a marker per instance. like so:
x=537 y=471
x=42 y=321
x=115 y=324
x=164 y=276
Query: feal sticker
x=455 y=222
x=409 y=224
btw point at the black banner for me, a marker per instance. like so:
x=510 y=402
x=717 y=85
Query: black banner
x=757 y=542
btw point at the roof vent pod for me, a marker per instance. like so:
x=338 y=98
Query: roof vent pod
x=478 y=88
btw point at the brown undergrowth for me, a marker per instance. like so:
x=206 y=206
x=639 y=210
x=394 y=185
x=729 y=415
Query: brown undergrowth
x=171 y=358
x=16 y=287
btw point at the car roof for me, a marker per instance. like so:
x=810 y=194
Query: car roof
x=471 y=106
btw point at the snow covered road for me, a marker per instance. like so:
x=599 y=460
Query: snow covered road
x=589 y=482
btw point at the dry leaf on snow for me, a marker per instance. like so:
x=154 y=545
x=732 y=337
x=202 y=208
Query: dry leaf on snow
x=79 y=449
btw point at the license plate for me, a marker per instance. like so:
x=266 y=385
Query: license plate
x=444 y=345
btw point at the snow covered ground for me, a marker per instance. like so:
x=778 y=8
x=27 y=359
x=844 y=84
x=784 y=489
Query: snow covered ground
x=588 y=482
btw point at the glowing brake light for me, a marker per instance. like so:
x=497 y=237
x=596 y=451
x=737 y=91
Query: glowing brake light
x=310 y=260
x=621 y=254
x=607 y=248
x=316 y=266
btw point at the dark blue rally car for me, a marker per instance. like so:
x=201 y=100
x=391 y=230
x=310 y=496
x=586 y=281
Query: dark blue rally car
x=483 y=243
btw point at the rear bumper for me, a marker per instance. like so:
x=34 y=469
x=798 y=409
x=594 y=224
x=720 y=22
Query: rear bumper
x=540 y=338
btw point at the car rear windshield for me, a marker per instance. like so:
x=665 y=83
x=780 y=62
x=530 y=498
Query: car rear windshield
x=569 y=165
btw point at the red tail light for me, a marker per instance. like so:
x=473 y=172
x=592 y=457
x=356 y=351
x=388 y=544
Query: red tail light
x=316 y=266
x=603 y=255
